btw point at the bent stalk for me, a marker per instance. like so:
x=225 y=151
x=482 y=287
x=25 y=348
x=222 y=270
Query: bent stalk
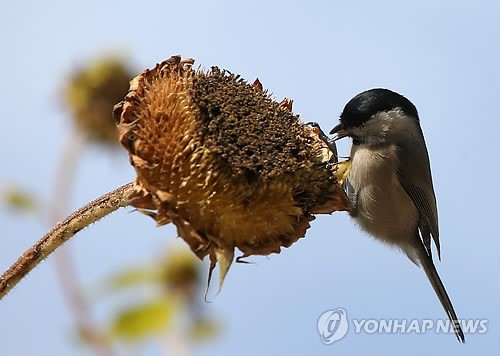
x=62 y=232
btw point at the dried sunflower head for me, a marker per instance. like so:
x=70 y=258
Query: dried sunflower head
x=90 y=95
x=224 y=162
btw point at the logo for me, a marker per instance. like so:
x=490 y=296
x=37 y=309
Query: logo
x=332 y=325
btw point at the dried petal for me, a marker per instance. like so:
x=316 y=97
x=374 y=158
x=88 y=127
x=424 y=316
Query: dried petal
x=257 y=85
x=286 y=104
x=342 y=170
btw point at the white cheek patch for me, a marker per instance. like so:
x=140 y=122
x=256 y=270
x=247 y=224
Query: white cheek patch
x=384 y=125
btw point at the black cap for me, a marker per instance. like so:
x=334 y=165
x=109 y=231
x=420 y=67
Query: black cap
x=368 y=103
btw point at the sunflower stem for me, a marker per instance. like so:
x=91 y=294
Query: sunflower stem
x=62 y=232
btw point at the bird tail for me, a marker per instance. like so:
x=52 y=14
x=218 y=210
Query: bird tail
x=437 y=284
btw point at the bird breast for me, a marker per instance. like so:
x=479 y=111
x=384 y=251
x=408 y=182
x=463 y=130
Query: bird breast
x=383 y=208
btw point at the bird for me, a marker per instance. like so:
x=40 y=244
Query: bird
x=390 y=183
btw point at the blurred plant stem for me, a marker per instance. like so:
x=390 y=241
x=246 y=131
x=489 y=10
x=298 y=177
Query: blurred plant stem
x=174 y=344
x=65 y=270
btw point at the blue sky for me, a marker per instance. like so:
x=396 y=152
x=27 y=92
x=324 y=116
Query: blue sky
x=444 y=56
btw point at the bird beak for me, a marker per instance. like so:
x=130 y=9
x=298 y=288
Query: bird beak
x=338 y=132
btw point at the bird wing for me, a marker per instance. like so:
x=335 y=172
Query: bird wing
x=415 y=178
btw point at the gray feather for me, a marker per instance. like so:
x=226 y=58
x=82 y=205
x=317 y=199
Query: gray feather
x=438 y=286
x=415 y=177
